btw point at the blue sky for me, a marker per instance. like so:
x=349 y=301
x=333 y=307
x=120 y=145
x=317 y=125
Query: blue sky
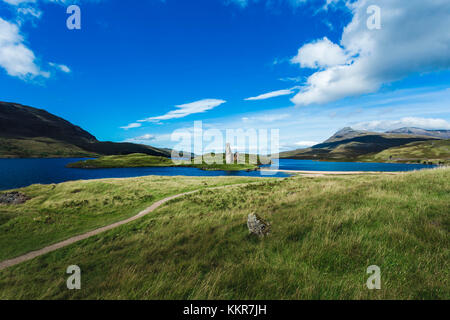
x=140 y=69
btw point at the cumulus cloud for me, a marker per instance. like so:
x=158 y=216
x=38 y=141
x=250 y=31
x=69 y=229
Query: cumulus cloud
x=187 y=109
x=384 y=125
x=412 y=39
x=15 y=57
x=320 y=54
x=272 y=94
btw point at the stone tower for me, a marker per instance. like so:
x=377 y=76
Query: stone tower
x=229 y=157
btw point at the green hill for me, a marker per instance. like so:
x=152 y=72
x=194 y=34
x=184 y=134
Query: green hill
x=29 y=132
x=430 y=152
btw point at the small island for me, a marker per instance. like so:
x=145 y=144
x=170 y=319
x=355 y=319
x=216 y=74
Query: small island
x=205 y=162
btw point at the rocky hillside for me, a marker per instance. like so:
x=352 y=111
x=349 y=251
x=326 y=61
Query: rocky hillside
x=442 y=134
x=31 y=132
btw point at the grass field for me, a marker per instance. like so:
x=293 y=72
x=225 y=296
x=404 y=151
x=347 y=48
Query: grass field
x=59 y=211
x=326 y=231
x=138 y=160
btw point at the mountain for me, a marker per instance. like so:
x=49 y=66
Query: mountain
x=346 y=133
x=442 y=134
x=31 y=132
x=348 y=145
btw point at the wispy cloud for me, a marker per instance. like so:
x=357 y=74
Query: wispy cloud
x=142 y=139
x=132 y=126
x=291 y=79
x=269 y=3
x=272 y=94
x=384 y=125
x=187 y=109
x=60 y=67
x=266 y=118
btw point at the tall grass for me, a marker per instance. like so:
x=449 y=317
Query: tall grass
x=326 y=231
x=59 y=211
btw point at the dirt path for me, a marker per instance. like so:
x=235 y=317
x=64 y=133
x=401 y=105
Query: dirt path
x=33 y=254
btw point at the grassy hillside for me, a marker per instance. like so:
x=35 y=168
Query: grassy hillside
x=435 y=152
x=30 y=132
x=40 y=148
x=326 y=231
x=143 y=160
x=57 y=212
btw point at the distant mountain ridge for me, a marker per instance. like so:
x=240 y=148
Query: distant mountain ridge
x=348 y=144
x=29 y=132
x=442 y=134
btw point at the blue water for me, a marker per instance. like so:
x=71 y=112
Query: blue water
x=17 y=173
x=312 y=165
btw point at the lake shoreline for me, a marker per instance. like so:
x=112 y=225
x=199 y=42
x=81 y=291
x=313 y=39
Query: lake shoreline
x=20 y=173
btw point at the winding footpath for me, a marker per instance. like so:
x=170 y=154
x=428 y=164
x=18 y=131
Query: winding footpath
x=34 y=254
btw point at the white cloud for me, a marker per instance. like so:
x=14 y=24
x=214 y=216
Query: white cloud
x=412 y=39
x=17 y=2
x=61 y=67
x=320 y=54
x=145 y=137
x=266 y=118
x=306 y=143
x=291 y=79
x=272 y=94
x=384 y=125
x=185 y=110
x=131 y=126
x=245 y=3
x=15 y=57
x=30 y=11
